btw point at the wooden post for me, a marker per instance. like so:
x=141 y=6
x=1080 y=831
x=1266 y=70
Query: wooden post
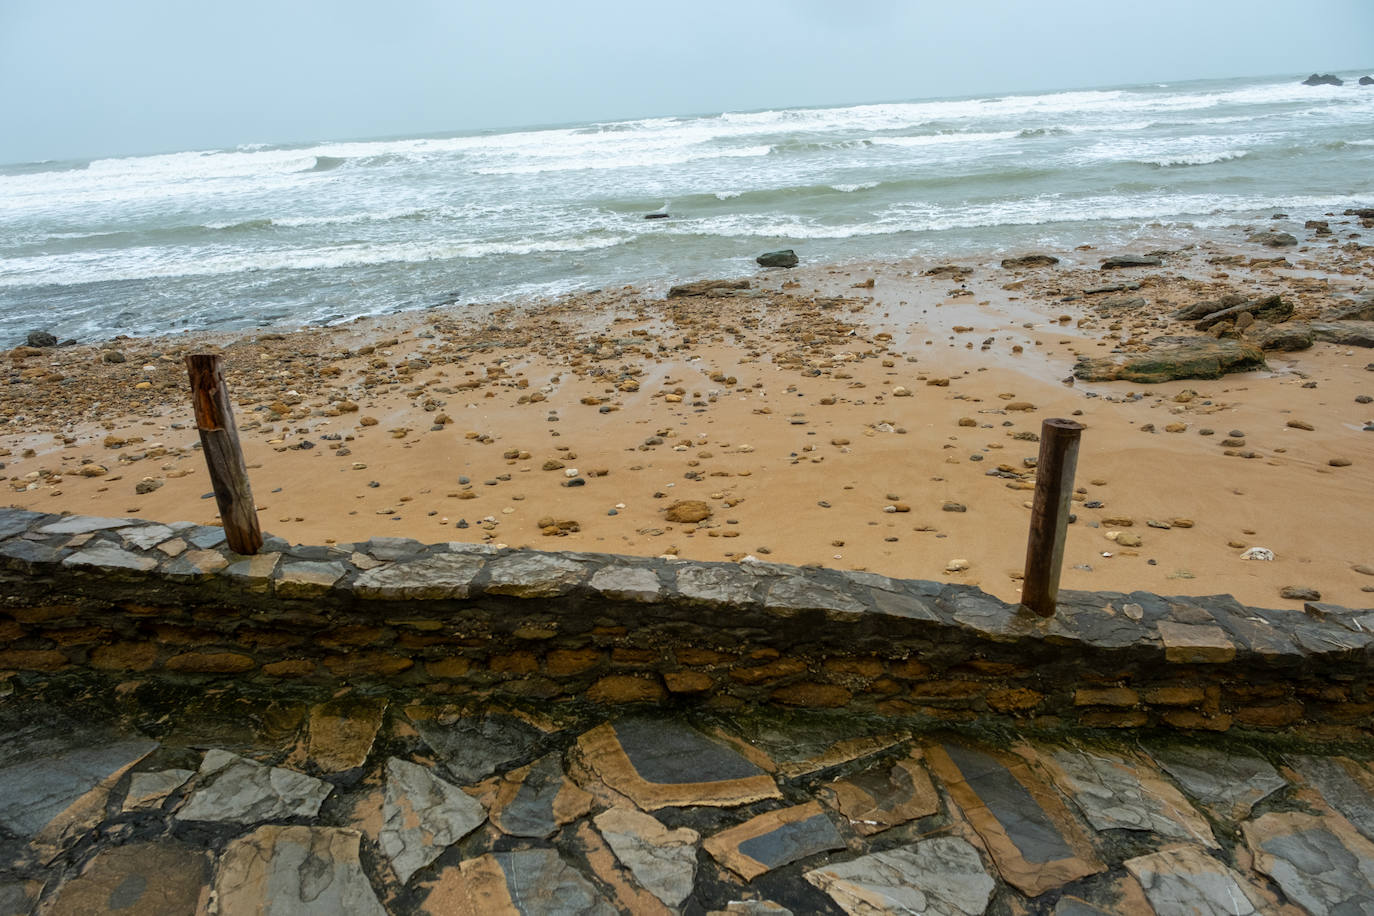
x=219 y=440
x=1050 y=514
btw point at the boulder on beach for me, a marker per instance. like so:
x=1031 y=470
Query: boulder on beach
x=1206 y=307
x=1359 y=311
x=785 y=258
x=1367 y=81
x=41 y=339
x=1274 y=239
x=1130 y=260
x=1030 y=260
x=1272 y=309
x=1296 y=335
x=1345 y=333
x=1323 y=79
x=707 y=288
x=1170 y=358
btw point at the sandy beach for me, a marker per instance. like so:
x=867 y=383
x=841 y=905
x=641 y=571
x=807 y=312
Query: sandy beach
x=880 y=417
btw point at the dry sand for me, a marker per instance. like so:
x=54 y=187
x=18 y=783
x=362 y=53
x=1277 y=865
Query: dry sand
x=802 y=412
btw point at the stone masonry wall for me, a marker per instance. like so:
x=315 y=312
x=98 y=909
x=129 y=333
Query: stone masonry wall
x=137 y=599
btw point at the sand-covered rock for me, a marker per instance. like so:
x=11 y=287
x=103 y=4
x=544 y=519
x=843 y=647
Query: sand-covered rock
x=1171 y=358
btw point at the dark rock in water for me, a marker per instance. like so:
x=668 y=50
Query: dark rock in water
x=1030 y=260
x=1345 y=333
x=1274 y=239
x=785 y=258
x=1323 y=79
x=655 y=215
x=1271 y=309
x=1294 y=336
x=1361 y=212
x=1367 y=81
x=1174 y=358
x=707 y=288
x=41 y=339
x=1130 y=260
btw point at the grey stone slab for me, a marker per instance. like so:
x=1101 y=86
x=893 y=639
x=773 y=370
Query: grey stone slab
x=392 y=548
x=422 y=816
x=1026 y=824
x=17 y=898
x=195 y=564
x=204 y=537
x=533 y=575
x=627 y=583
x=792 y=594
x=294 y=871
x=17 y=521
x=145 y=537
x=531 y=812
x=1115 y=794
x=474 y=748
x=1184 y=879
x=1099 y=623
x=793 y=841
x=158 y=878
x=85 y=524
x=1346 y=785
x=985 y=614
x=150 y=790
x=542 y=884
x=255 y=572
x=663 y=861
x=28 y=551
x=1323 y=873
x=307 y=578
x=716 y=584
x=108 y=556
x=905 y=604
x=230 y=788
x=1228 y=783
x=943 y=876
x=441 y=575
x=666 y=751
x=38 y=789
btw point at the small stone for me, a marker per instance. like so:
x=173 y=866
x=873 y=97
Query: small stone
x=1339 y=462
x=956 y=565
x=952 y=506
x=1300 y=593
x=687 y=511
x=1300 y=424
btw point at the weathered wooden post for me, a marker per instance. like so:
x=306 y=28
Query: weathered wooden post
x=1050 y=514
x=219 y=440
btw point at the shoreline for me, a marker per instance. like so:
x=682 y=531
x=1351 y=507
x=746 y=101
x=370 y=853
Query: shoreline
x=780 y=407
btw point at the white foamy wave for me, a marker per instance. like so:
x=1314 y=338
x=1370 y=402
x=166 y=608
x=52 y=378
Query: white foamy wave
x=851 y=188
x=645 y=158
x=727 y=195
x=1200 y=158
x=945 y=139
x=149 y=262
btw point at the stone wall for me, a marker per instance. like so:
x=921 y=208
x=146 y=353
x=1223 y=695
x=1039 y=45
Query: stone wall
x=132 y=598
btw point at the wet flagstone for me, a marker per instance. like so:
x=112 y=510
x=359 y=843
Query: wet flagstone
x=342 y=732
x=1027 y=829
x=774 y=839
x=664 y=762
x=474 y=747
x=294 y=871
x=527 y=882
x=943 y=876
x=884 y=796
x=825 y=745
x=1346 y=785
x=1230 y=783
x=161 y=878
x=422 y=816
x=33 y=792
x=150 y=790
x=1185 y=879
x=1326 y=871
x=233 y=788
x=663 y=861
x=535 y=800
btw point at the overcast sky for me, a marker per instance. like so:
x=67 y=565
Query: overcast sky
x=84 y=78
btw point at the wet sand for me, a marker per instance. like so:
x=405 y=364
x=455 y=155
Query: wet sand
x=820 y=417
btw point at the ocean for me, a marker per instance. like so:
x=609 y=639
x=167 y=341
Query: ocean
x=321 y=233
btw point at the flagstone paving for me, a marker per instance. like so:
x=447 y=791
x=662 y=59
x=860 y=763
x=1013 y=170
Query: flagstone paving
x=350 y=804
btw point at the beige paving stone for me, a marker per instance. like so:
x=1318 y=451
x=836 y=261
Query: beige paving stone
x=342 y=732
x=161 y=878
x=1188 y=643
x=884 y=796
x=774 y=839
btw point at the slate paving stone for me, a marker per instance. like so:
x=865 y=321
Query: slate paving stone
x=824 y=745
x=616 y=880
x=148 y=791
x=774 y=839
x=472 y=748
x=1028 y=830
x=660 y=763
x=82 y=524
x=235 y=789
x=1107 y=895
x=942 y=876
x=35 y=791
x=16 y=521
x=294 y=871
x=884 y=796
x=663 y=861
x=535 y=800
x=422 y=816
x=1114 y=793
x=161 y=878
x=1346 y=786
x=530 y=882
x=1184 y=879
x=17 y=897
x=1325 y=867
x=342 y=732
x=108 y=556
x=1229 y=783
x=443 y=575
